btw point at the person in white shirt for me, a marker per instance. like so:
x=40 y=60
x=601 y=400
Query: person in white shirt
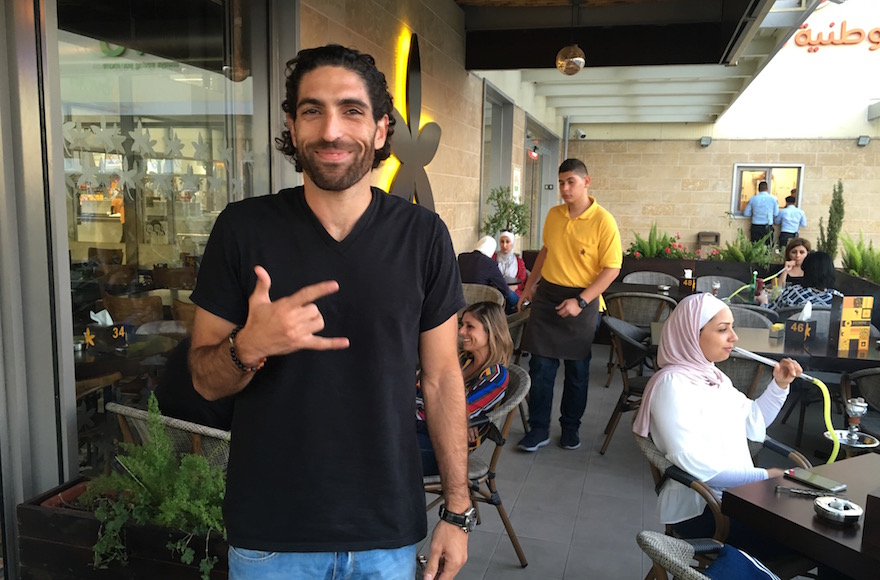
x=790 y=219
x=698 y=419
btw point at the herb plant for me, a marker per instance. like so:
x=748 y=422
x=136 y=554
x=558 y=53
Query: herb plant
x=158 y=488
x=744 y=250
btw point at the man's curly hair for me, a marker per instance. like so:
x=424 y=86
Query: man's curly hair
x=364 y=65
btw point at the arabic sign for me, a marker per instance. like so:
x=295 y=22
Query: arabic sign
x=835 y=37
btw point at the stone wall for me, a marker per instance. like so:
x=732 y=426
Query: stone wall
x=686 y=188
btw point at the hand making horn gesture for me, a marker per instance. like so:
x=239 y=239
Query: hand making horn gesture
x=288 y=324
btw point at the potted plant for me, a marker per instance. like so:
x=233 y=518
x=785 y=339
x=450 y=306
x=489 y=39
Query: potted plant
x=160 y=514
x=509 y=215
x=828 y=238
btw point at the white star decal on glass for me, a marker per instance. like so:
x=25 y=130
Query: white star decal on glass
x=190 y=180
x=128 y=177
x=162 y=182
x=237 y=186
x=226 y=154
x=214 y=183
x=173 y=146
x=142 y=143
x=202 y=149
x=105 y=136
x=88 y=177
x=247 y=156
x=79 y=137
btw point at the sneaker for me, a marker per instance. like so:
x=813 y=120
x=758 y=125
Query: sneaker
x=570 y=439
x=534 y=439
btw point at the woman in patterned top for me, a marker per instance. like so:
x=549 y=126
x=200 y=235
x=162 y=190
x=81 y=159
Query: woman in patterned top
x=795 y=252
x=816 y=286
x=486 y=348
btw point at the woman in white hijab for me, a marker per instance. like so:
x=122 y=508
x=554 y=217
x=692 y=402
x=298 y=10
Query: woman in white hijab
x=698 y=419
x=510 y=264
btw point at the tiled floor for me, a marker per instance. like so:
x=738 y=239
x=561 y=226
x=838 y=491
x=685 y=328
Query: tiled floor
x=577 y=513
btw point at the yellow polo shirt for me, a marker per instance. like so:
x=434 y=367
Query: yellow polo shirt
x=579 y=249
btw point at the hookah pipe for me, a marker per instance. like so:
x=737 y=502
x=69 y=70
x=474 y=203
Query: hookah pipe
x=825 y=397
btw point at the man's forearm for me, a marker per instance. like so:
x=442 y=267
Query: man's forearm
x=447 y=426
x=535 y=275
x=600 y=284
x=214 y=374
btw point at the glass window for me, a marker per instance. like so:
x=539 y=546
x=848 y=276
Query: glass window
x=160 y=132
x=782 y=181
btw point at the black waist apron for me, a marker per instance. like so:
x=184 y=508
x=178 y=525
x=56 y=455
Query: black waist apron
x=548 y=334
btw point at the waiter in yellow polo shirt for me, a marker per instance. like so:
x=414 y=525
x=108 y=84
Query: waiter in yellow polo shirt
x=580 y=258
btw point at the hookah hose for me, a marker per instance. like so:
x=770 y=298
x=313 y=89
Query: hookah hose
x=767 y=279
x=825 y=397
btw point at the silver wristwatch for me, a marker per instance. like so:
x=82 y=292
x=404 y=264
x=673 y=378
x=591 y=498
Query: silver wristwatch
x=466 y=521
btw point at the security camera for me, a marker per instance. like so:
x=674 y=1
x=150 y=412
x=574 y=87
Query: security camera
x=580 y=134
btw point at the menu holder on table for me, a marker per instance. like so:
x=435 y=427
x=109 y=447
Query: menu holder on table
x=850 y=325
x=687 y=285
x=871 y=523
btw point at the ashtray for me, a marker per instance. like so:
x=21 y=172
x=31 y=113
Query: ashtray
x=664 y=288
x=837 y=510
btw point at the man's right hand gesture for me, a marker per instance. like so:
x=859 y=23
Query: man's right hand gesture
x=286 y=325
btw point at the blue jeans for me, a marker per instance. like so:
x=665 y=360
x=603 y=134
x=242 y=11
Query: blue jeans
x=396 y=564
x=542 y=371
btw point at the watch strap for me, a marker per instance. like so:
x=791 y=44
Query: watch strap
x=581 y=302
x=465 y=521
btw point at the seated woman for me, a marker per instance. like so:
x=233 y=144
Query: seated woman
x=816 y=286
x=486 y=347
x=510 y=264
x=795 y=252
x=699 y=420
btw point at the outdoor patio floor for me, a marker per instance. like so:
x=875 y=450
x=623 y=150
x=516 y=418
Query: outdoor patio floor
x=577 y=513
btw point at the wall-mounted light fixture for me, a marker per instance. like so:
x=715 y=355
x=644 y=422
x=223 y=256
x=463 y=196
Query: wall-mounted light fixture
x=533 y=152
x=705 y=141
x=863 y=140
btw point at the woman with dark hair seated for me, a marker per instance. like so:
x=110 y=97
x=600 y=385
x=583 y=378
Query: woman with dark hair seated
x=486 y=347
x=795 y=252
x=816 y=286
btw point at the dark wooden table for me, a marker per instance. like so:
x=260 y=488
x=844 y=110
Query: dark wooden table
x=792 y=521
x=677 y=293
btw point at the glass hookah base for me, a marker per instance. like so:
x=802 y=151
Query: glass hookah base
x=863 y=441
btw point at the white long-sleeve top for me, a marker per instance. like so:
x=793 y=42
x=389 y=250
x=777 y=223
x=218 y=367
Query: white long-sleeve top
x=703 y=430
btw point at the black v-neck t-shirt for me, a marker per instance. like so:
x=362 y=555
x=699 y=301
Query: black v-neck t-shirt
x=324 y=455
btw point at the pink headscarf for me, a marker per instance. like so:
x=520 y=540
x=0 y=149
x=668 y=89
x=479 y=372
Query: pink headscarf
x=680 y=350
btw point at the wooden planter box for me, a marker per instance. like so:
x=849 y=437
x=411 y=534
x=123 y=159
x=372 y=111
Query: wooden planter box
x=55 y=543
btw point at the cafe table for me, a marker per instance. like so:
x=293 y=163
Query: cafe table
x=791 y=519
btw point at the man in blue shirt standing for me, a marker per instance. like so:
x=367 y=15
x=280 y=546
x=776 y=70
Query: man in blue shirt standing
x=763 y=209
x=791 y=218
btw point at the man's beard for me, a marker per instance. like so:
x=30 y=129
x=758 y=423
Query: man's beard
x=335 y=176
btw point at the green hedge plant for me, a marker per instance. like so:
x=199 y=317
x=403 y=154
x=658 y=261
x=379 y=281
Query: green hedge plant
x=860 y=259
x=658 y=245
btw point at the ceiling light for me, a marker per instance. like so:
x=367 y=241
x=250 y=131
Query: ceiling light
x=570 y=60
x=863 y=140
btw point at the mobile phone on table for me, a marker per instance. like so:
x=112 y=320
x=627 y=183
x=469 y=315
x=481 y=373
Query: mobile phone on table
x=814 y=480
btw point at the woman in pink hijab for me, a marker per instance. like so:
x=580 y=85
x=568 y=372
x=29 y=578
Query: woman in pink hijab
x=697 y=418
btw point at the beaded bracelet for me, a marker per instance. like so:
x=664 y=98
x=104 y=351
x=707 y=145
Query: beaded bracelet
x=235 y=358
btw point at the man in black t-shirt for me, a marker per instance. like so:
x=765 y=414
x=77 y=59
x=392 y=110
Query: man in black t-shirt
x=314 y=307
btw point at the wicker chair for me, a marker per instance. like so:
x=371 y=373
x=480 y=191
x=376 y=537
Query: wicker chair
x=631 y=352
x=747 y=375
x=866 y=384
x=516 y=324
x=765 y=312
x=648 y=277
x=662 y=470
x=174 y=277
x=674 y=555
x=134 y=310
x=186 y=437
x=749 y=318
x=482 y=475
x=474 y=293
x=638 y=308
x=728 y=285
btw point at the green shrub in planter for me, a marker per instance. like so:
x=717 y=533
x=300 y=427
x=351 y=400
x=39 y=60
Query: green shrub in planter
x=658 y=245
x=744 y=250
x=860 y=259
x=159 y=488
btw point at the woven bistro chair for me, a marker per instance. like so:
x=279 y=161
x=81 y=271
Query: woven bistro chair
x=186 y=437
x=749 y=318
x=765 y=312
x=516 y=325
x=632 y=348
x=648 y=277
x=482 y=474
x=639 y=309
x=728 y=285
x=747 y=375
x=474 y=293
x=674 y=555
